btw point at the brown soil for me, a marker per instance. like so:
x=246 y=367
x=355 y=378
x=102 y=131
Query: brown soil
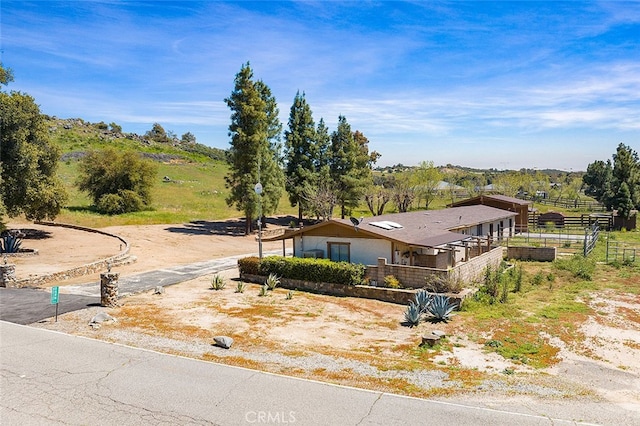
x=342 y=340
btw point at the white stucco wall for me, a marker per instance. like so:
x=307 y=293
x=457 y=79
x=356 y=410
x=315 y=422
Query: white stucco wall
x=362 y=250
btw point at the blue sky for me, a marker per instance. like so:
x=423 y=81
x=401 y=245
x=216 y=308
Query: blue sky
x=472 y=83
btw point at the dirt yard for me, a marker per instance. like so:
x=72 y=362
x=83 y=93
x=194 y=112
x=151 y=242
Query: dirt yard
x=340 y=340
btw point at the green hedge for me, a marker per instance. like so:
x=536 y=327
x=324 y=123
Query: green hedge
x=315 y=270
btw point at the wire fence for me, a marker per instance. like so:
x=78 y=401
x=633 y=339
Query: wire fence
x=621 y=252
x=567 y=242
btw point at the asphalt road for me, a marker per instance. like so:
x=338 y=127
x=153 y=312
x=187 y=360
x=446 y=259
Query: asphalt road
x=50 y=378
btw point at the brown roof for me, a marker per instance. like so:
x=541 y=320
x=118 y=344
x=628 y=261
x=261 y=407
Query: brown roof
x=426 y=228
x=497 y=197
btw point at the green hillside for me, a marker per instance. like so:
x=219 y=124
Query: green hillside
x=190 y=181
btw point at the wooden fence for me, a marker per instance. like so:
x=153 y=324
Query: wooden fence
x=583 y=221
x=566 y=203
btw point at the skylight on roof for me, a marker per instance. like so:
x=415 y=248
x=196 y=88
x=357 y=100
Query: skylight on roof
x=386 y=224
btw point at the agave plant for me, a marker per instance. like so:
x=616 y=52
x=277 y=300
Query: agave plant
x=10 y=243
x=263 y=291
x=441 y=308
x=289 y=295
x=423 y=300
x=272 y=281
x=241 y=287
x=412 y=314
x=218 y=283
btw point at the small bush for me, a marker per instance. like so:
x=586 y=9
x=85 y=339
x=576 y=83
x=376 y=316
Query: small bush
x=517 y=278
x=249 y=265
x=110 y=204
x=440 y=284
x=240 y=288
x=537 y=279
x=391 y=282
x=124 y=201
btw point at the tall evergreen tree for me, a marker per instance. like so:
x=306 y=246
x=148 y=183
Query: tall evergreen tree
x=301 y=152
x=253 y=156
x=626 y=169
x=321 y=197
x=603 y=180
x=623 y=201
x=350 y=165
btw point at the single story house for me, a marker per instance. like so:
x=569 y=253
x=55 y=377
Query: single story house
x=520 y=207
x=437 y=239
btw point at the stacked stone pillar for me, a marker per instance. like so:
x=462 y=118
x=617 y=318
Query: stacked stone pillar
x=7 y=275
x=109 y=289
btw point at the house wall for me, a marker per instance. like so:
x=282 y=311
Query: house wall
x=415 y=276
x=361 y=250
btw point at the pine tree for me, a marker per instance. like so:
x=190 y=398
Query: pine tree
x=626 y=169
x=254 y=153
x=623 y=201
x=350 y=165
x=301 y=151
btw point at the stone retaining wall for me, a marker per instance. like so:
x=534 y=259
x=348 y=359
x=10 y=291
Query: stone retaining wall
x=86 y=269
x=399 y=296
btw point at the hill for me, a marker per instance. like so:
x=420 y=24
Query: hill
x=190 y=183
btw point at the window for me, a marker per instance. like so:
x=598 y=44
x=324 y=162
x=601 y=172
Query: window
x=339 y=252
x=479 y=229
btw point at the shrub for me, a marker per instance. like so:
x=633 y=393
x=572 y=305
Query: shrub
x=123 y=201
x=241 y=287
x=131 y=201
x=442 y=284
x=249 y=265
x=110 y=204
x=117 y=173
x=537 y=279
x=391 y=282
x=315 y=270
x=517 y=278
